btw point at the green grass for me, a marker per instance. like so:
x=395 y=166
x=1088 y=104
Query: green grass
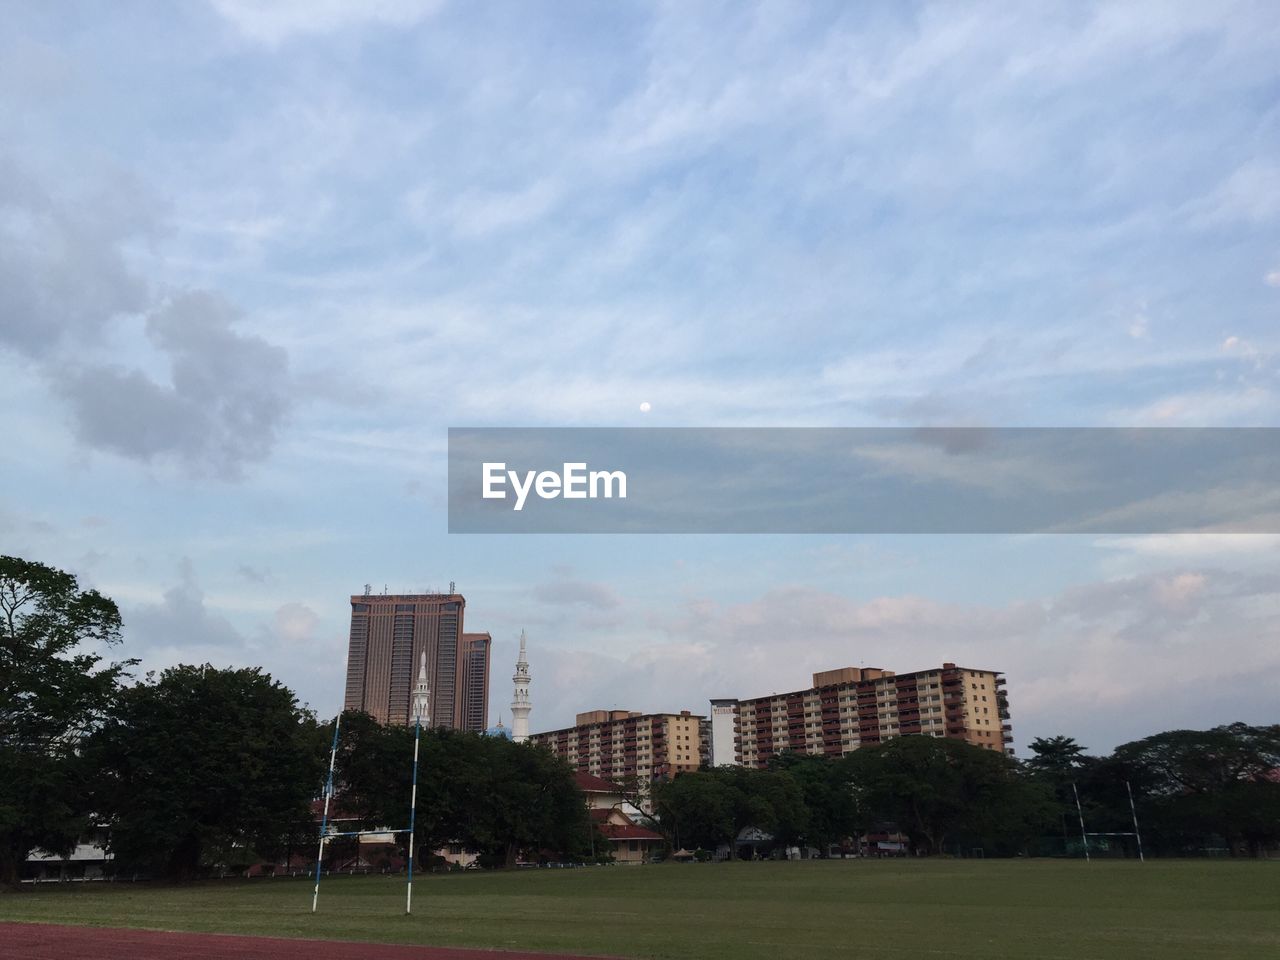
x=927 y=908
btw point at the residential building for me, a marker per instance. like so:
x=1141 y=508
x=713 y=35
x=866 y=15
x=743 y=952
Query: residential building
x=856 y=706
x=619 y=745
x=389 y=635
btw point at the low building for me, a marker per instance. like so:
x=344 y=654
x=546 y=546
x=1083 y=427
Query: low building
x=856 y=706
x=632 y=843
x=618 y=819
x=621 y=745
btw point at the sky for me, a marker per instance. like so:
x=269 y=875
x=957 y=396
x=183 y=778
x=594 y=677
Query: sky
x=255 y=260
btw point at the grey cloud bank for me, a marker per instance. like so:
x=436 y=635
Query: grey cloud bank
x=67 y=290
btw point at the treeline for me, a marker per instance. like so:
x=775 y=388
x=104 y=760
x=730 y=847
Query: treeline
x=198 y=768
x=939 y=793
x=1195 y=792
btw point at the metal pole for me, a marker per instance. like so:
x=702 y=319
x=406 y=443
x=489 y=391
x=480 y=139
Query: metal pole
x=1083 y=836
x=324 y=819
x=413 y=811
x=1136 y=832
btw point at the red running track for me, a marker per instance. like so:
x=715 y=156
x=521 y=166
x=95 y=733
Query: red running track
x=40 y=941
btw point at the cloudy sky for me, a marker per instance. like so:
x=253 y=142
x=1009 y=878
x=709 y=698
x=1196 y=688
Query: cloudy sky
x=256 y=259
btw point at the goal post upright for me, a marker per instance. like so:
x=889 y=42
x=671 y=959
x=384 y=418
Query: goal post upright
x=413 y=811
x=1084 y=837
x=324 y=817
x=421 y=714
x=1136 y=832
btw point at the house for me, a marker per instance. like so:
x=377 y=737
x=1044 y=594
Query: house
x=632 y=843
x=615 y=817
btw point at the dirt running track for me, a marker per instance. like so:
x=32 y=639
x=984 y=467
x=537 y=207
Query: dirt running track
x=40 y=941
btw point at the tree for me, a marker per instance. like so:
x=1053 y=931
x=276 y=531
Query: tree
x=827 y=792
x=1204 y=782
x=712 y=807
x=936 y=789
x=203 y=767
x=532 y=804
x=54 y=690
x=1055 y=758
x=696 y=809
x=490 y=794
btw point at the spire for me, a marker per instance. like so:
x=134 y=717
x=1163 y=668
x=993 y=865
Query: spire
x=520 y=704
x=421 y=712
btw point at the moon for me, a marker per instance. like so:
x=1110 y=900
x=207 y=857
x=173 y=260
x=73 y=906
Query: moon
x=646 y=407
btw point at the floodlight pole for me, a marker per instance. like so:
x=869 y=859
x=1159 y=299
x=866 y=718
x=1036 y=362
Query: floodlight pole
x=324 y=818
x=1136 y=832
x=1080 y=813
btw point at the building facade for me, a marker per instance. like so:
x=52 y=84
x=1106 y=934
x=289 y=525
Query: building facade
x=389 y=636
x=475 y=681
x=856 y=706
x=617 y=744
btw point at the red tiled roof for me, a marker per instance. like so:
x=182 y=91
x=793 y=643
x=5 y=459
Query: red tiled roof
x=589 y=783
x=628 y=831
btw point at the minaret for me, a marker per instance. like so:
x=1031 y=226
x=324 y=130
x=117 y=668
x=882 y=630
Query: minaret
x=520 y=705
x=421 y=709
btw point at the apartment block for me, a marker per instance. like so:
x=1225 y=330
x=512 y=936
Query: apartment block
x=855 y=706
x=617 y=744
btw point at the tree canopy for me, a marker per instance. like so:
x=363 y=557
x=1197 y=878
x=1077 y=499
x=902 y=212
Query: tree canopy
x=490 y=794
x=203 y=766
x=55 y=689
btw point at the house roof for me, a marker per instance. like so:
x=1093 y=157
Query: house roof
x=589 y=783
x=628 y=831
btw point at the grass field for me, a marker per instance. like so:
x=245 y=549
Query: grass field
x=933 y=908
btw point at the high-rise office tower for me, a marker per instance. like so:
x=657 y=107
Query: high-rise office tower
x=389 y=636
x=474 y=671
x=520 y=704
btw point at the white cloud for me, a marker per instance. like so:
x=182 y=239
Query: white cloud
x=278 y=20
x=1193 y=546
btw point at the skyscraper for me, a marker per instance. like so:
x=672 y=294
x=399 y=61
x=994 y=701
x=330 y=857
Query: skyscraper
x=474 y=670
x=520 y=704
x=389 y=636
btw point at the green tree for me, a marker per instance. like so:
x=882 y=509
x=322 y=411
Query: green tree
x=1197 y=783
x=826 y=789
x=707 y=808
x=1056 y=759
x=494 y=796
x=938 y=789
x=204 y=767
x=696 y=810
x=533 y=804
x=54 y=691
